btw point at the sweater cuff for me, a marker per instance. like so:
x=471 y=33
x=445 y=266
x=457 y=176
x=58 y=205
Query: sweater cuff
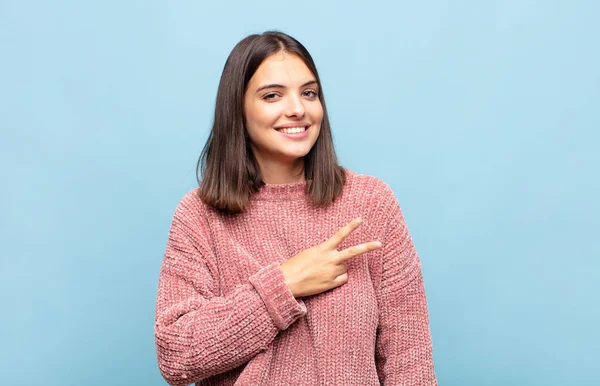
x=283 y=307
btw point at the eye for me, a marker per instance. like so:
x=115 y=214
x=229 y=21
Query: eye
x=270 y=96
x=310 y=93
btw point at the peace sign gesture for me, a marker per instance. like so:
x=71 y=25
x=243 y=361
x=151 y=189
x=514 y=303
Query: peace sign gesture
x=323 y=267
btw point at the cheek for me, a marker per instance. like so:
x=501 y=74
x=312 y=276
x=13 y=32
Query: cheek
x=316 y=112
x=265 y=115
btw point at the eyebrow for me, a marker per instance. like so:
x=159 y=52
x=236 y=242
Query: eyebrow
x=282 y=86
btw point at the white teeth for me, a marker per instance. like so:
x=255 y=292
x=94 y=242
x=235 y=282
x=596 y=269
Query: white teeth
x=293 y=130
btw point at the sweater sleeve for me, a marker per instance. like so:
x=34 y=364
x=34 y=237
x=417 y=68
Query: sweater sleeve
x=403 y=346
x=199 y=333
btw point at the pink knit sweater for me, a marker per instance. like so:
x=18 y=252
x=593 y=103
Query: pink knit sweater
x=225 y=316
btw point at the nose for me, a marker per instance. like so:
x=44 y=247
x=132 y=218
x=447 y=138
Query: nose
x=295 y=107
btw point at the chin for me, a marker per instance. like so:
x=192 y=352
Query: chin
x=294 y=155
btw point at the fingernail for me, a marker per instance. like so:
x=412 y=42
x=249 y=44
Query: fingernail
x=378 y=244
x=358 y=220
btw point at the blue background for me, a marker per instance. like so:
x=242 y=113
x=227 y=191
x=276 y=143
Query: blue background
x=482 y=116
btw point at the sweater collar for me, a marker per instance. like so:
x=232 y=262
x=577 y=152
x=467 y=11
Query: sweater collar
x=281 y=192
x=288 y=192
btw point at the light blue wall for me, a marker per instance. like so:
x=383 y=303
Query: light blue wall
x=482 y=116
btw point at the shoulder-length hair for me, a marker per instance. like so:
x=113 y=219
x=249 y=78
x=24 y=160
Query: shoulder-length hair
x=229 y=170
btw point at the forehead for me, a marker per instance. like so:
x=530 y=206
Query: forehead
x=282 y=68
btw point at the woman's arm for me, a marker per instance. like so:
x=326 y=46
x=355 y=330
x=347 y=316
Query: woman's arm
x=403 y=348
x=200 y=334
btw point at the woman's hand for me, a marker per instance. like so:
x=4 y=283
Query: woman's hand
x=323 y=267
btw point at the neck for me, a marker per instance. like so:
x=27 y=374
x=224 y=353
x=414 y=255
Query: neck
x=276 y=172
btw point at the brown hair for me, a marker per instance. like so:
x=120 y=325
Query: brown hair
x=230 y=172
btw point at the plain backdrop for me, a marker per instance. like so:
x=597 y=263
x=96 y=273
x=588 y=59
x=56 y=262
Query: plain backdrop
x=482 y=116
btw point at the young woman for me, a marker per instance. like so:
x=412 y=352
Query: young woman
x=283 y=268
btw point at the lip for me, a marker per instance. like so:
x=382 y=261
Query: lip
x=293 y=124
x=299 y=136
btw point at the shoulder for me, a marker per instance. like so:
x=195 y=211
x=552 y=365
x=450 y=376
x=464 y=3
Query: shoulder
x=191 y=210
x=367 y=186
x=190 y=202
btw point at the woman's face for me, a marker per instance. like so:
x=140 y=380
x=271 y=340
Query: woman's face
x=282 y=109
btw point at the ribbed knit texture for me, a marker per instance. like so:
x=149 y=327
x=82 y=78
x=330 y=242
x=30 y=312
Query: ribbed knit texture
x=225 y=316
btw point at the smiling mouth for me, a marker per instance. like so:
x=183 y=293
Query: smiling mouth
x=293 y=130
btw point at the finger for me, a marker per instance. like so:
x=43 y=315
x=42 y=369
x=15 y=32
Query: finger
x=340 y=269
x=334 y=241
x=342 y=279
x=357 y=250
